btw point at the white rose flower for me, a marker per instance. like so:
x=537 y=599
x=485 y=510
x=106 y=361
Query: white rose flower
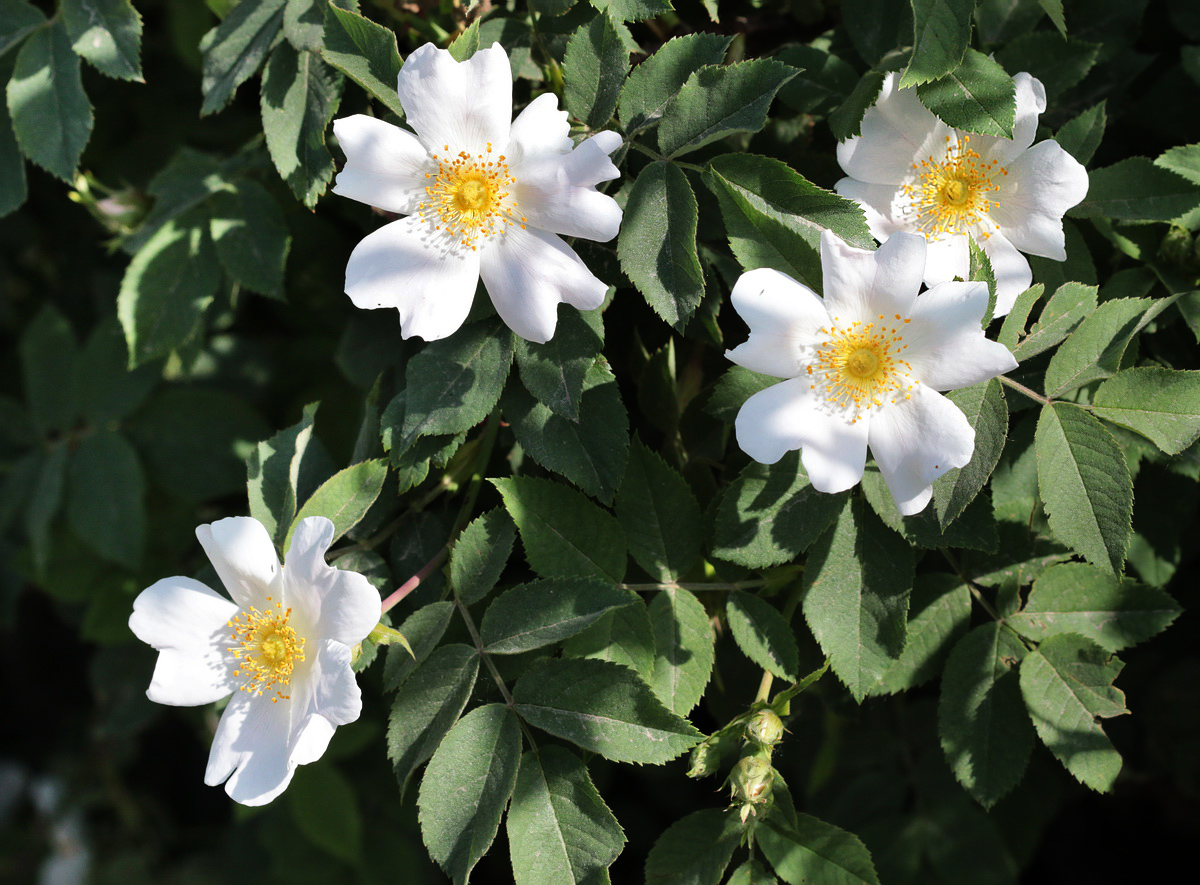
x=911 y=172
x=863 y=367
x=282 y=648
x=485 y=196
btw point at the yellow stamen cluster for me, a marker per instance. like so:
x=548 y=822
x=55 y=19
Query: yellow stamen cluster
x=470 y=196
x=955 y=194
x=861 y=366
x=267 y=649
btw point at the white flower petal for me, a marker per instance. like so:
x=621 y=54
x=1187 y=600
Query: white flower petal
x=1010 y=268
x=915 y=441
x=528 y=272
x=538 y=130
x=241 y=551
x=336 y=695
x=897 y=131
x=403 y=265
x=878 y=202
x=787 y=416
x=189 y=625
x=251 y=749
x=464 y=105
x=556 y=192
x=949 y=256
x=783 y=316
x=860 y=285
x=947 y=348
x=1041 y=185
x=385 y=165
x=313 y=740
x=1031 y=103
x=340 y=605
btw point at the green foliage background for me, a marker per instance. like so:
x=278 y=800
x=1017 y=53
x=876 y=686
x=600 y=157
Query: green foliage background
x=590 y=541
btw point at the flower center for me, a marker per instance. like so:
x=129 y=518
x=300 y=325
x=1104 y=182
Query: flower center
x=860 y=367
x=951 y=196
x=267 y=649
x=470 y=196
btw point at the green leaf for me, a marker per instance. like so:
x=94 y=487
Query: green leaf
x=565 y=534
x=941 y=34
x=1081 y=135
x=251 y=237
x=17 y=19
x=235 y=49
x=304 y=21
x=752 y=873
x=423 y=629
x=454 y=383
x=1067 y=684
x=273 y=476
x=602 y=707
x=683 y=648
x=846 y=121
x=1066 y=308
x=1013 y=326
x=594 y=69
x=51 y=114
x=824 y=81
x=632 y=10
x=1094 y=350
x=299 y=97
x=987 y=413
x=763 y=635
x=771 y=514
x=1054 y=9
x=167 y=288
x=1111 y=611
x=554 y=372
x=717 y=101
x=545 y=612
x=49 y=358
x=427 y=706
x=108 y=33
x=1161 y=404
x=44 y=503
x=624 y=636
x=694 y=850
x=810 y=850
x=366 y=53
x=1085 y=484
x=13 y=189
x=590 y=452
x=188 y=180
x=774 y=217
x=467 y=786
x=1059 y=64
x=657 y=243
x=653 y=83
x=876 y=27
x=559 y=829
x=974 y=529
x=978 y=96
x=857 y=583
x=660 y=516
x=326 y=810
x=938 y=616
x=108 y=391
x=194 y=440
x=480 y=555
x=1135 y=189
x=732 y=390
x=984 y=730
x=344 y=498
x=105 y=488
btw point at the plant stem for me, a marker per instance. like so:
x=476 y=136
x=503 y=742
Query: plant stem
x=1032 y=394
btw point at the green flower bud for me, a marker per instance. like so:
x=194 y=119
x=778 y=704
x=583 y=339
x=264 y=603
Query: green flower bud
x=752 y=780
x=764 y=728
x=706 y=759
x=1177 y=247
